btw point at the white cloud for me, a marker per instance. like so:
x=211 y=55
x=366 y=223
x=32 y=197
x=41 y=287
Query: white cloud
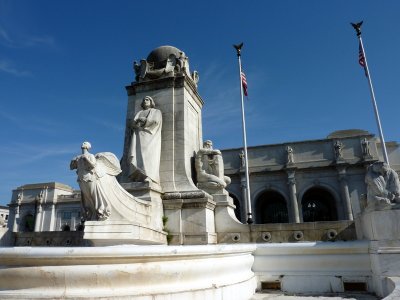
x=108 y=124
x=28 y=153
x=7 y=67
x=37 y=124
x=25 y=41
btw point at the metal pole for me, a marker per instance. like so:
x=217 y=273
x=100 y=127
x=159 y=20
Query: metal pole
x=357 y=27
x=249 y=213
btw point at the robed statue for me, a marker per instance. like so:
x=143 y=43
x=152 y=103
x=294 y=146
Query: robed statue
x=145 y=149
x=96 y=178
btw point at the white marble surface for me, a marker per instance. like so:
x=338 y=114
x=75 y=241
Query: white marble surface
x=381 y=224
x=128 y=272
x=313 y=267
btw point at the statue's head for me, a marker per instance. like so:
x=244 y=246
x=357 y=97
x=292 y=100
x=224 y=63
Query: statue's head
x=86 y=145
x=148 y=102
x=384 y=168
x=207 y=144
x=380 y=167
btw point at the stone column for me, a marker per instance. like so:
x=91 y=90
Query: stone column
x=293 y=195
x=53 y=216
x=16 y=218
x=344 y=189
x=38 y=218
x=244 y=197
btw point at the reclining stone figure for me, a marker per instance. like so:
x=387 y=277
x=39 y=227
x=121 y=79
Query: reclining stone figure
x=383 y=187
x=210 y=169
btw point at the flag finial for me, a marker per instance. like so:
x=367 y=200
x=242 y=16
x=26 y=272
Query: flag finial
x=238 y=48
x=357 y=27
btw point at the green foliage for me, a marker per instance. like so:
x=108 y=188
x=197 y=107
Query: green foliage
x=165 y=228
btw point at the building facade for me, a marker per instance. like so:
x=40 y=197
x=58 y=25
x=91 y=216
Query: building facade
x=306 y=181
x=42 y=207
x=4 y=214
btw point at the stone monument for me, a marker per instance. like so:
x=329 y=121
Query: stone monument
x=112 y=215
x=164 y=79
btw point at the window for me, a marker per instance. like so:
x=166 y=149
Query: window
x=271 y=208
x=237 y=209
x=28 y=223
x=65 y=227
x=318 y=205
x=66 y=215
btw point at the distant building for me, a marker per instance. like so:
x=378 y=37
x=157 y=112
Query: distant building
x=4 y=214
x=42 y=207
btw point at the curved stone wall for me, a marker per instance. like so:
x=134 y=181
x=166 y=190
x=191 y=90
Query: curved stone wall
x=134 y=272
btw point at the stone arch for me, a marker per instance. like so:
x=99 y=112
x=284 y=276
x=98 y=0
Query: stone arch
x=271 y=206
x=65 y=227
x=238 y=209
x=319 y=203
x=28 y=222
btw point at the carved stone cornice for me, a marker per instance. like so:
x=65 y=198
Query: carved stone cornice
x=199 y=203
x=185 y=195
x=163 y=83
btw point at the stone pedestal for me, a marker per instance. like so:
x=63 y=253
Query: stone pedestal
x=190 y=218
x=151 y=192
x=145 y=225
x=382 y=229
x=108 y=233
x=228 y=227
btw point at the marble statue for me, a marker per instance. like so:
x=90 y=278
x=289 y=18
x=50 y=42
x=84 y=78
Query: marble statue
x=290 y=158
x=171 y=65
x=242 y=159
x=365 y=148
x=383 y=187
x=338 y=146
x=210 y=168
x=164 y=61
x=96 y=178
x=145 y=149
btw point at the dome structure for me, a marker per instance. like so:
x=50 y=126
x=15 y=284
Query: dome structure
x=347 y=133
x=162 y=53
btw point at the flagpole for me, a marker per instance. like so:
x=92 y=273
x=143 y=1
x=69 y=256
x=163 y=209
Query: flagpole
x=249 y=210
x=357 y=27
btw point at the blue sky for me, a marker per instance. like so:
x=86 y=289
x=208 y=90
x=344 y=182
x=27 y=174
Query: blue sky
x=64 y=66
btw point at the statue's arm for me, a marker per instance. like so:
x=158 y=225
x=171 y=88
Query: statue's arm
x=133 y=124
x=73 y=164
x=155 y=118
x=90 y=159
x=216 y=152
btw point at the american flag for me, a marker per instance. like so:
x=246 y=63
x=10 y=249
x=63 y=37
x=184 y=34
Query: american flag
x=361 y=58
x=244 y=82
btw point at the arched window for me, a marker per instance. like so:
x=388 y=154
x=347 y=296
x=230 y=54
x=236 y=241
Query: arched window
x=271 y=208
x=28 y=223
x=65 y=227
x=318 y=205
x=238 y=211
